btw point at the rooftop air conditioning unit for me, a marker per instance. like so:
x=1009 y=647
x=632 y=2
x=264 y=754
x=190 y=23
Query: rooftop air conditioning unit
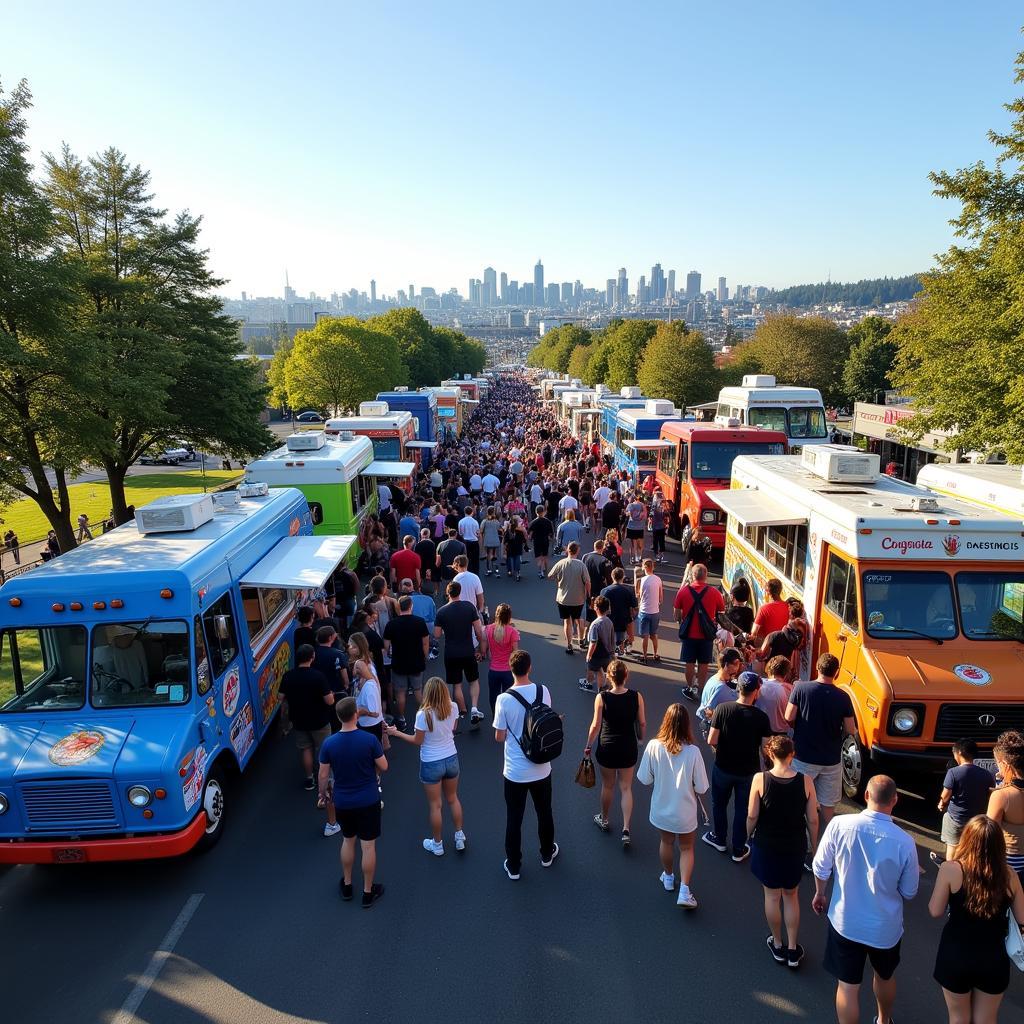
x=574 y=399
x=659 y=407
x=176 y=513
x=840 y=463
x=307 y=441
x=921 y=503
x=630 y=392
x=758 y=380
x=225 y=501
x=253 y=490
x=401 y=390
x=601 y=389
x=346 y=435
x=373 y=408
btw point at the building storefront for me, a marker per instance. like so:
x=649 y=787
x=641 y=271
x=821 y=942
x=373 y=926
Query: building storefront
x=880 y=426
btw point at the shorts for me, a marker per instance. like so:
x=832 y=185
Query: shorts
x=541 y=549
x=634 y=534
x=360 y=822
x=456 y=668
x=647 y=624
x=375 y=730
x=696 y=651
x=827 y=778
x=620 y=635
x=432 y=772
x=311 y=739
x=844 y=958
x=950 y=834
x=570 y=611
x=599 y=664
x=403 y=682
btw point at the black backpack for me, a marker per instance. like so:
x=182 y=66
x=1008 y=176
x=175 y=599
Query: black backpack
x=707 y=626
x=541 y=740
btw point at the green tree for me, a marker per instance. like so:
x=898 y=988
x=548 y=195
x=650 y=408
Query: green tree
x=678 y=364
x=461 y=354
x=566 y=339
x=742 y=360
x=598 y=354
x=802 y=351
x=278 y=393
x=43 y=424
x=340 y=363
x=960 y=351
x=163 y=365
x=628 y=341
x=578 y=362
x=416 y=343
x=872 y=355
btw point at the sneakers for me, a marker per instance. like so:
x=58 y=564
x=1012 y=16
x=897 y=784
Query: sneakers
x=686 y=898
x=569 y=649
x=371 y=897
x=794 y=956
x=626 y=838
x=308 y=784
x=586 y=686
x=712 y=840
x=436 y=848
x=345 y=890
x=514 y=875
x=601 y=823
x=460 y=840
x=475 y=717
x=690 y=693
x=667 y=880
x=778 y=952
x=331 y=828
x=740 y=857
x=547 y=863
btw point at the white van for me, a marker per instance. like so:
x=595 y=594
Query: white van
x=990 y=485
x=760 y=402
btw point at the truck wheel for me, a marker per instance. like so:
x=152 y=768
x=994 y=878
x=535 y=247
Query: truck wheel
x=214 y=807
x=856 y=764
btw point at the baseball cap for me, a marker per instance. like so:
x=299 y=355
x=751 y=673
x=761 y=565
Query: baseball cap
x=748 y=682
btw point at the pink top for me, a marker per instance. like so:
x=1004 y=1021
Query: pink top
x=500 y=652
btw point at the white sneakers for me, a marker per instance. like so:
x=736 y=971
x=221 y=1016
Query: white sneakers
x=667 y=880
x=686 y=898
x=460 y=840
x=331 y=828
x=437 y=849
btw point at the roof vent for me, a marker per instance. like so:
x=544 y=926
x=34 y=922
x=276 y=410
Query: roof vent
x=630 y=392
x=401 y=390
x=373 y=408
x=225 y=501
x=307 y=441
x=253 y=490
x=659 y=407
x=758 y=380
x=175 y=513
x=922 y=503
x=840 y=463
x=346 y=435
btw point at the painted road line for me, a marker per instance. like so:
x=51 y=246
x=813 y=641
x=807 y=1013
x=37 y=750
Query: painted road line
x=126 y=1015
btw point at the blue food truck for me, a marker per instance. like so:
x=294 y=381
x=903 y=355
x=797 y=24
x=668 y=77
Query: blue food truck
x=637 y=436
x=139 y=671
x=610 y=404
x=423 y=406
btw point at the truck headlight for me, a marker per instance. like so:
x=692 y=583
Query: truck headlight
x=4 y=804
x=139 y=796
x=707 y=516
x=905 y=720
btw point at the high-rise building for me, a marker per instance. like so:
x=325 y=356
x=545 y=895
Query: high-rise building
x=622 y=288
x=551 y=297
x=412 y=292
x=504 y=288
x=526 y=294
x=671 y=284
x=513 y=292
x=567 y=291
x=657 y=283
x=642 y=291
x=373 y=291
x=474 y=291
x=538 y=282
x=609 y=291
x=723 y=290
x=490 y=287
x=289 y=292
x=577 y=291
x=693 y=284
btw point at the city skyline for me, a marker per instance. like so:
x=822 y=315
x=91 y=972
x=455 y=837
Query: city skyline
x=781 y=145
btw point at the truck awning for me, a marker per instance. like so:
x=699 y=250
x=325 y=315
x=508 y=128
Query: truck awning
x=299 y=562
x=421 y=444
x=389 y=469
x=753 y=508
x=654 y=443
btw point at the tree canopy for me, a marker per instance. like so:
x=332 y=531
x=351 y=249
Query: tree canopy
x=678 y=364
x=872 y=354
x=870 y=292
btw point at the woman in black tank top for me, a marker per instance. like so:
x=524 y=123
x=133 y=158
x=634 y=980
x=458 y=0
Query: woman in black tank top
x=783 y=809
x=618 y=725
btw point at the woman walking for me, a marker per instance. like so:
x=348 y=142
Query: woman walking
x=515 y=543
x=366 y=686
x=502 y=640
x=673 y=764
x=1006 y=804
x=976 y=887
x=783 y=809
x=434 y=734
x=490 y=538
x=619 y=723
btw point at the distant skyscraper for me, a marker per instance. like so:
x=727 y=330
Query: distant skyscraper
x=474 y=291
x=373 y=291
x=642 y=291
x=567 y=291
x=513 y=293
x=577 y=291
x=609 y=291
x=672 y=284
x=657 y=283
x=526 y=294
x=504 y=289
x=622 y=288
x=538 y=282
x=723 y=291
x=289 y=292
x=693 y=284
x=490 y=287
x=552 y=294
x=412 y=292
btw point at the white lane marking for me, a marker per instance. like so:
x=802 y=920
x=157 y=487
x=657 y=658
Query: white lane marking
x=126 y=1015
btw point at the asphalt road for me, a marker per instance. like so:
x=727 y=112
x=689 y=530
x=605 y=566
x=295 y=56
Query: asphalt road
x=262 y=937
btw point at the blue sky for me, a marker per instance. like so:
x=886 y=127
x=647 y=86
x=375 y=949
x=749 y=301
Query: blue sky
x=420 y=142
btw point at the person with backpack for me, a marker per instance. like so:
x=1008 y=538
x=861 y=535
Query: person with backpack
x=697 y=606
x=532 y=736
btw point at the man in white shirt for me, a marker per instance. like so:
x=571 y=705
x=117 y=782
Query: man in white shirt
x=383 y=497
x=522 y=777
x=649 y=594
x=489 y=485
x=601 y=495
x=567 y=502
x=874 y=866
x=469 y=534
x=536 y=494
x=475 y=483
x=472 y=588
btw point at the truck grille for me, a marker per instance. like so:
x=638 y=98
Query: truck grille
x=69 y=805
x=958 y=721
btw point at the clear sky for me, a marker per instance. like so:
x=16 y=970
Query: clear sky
x=418 y=142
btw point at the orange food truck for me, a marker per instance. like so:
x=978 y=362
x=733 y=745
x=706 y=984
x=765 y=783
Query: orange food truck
x=694 y=457
x=449 y=412
x=920 y=596
x=393 y=434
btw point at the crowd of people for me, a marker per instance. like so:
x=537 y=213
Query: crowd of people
x=518 y=486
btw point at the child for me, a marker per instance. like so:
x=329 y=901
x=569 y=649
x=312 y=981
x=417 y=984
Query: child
x=965 y=792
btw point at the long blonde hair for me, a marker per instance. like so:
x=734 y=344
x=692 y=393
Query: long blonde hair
x=436 y=701
x=502 y=618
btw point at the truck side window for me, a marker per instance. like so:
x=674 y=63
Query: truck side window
x=221 y=635
x=202 y=662
x=684 y=461
x=841 y=592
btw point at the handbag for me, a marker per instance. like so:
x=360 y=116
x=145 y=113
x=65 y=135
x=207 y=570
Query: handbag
x=585 y=775
x=1014 y=940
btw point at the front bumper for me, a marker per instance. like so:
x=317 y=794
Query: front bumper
x=909 y=760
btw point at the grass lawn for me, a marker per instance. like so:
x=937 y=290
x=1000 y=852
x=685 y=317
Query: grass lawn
x=31 y=525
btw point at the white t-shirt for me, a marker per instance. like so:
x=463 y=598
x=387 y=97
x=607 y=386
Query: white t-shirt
x=368 y=702
x=568 y=502
x=439 y=742
x=490 y=483
x=536 y=494
x=651 y=592
x=677 y=779
x=601 y=496
x=469 y=528
x=471 y=586
x=510 y=715
x=383 y=496
x=474 y=482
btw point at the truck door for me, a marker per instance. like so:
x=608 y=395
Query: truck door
x=838 y=615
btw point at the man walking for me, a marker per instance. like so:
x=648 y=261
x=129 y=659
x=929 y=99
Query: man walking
x=522 y=777
x=469 y=534
x=600 y=647
x=350 y=764
x=738 y=730
x=696 y=608
x=459 y=622
x=426 y=609
x=873 y=863
x=541 y=531
x=649 y=592
x=405 y=563
x=623 y=601
x=406 y=642
x=572 y=593
x=447 y=551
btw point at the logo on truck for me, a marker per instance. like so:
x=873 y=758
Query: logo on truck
x=975 y=675
x=951 y=544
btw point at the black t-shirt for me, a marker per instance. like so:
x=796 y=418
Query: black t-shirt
x=818 y=728
x=304 y=689
x=611 y=514
x=542 y=530
x=743 y=616
x=699 y=551
x=427 y=550
x=554 y=496
x=622 y=599
x=782 y=641
x=305 y=635
x=600 y=570
x=449 y=550
x=741 y=728
x=406 y=633
x=455 y=620
x=329 y=661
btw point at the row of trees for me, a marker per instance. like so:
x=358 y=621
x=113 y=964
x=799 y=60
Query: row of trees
x=112 y=340
x=343 y=361
x=870 y=292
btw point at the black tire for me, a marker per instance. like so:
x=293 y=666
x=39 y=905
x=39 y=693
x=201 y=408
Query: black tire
x=215 y=806
x=856 y=766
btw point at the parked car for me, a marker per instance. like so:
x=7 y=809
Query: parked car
x=168 y=457
x=309 y=417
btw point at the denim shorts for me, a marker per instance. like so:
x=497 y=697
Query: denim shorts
x=647 y=624
x=432 y=772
